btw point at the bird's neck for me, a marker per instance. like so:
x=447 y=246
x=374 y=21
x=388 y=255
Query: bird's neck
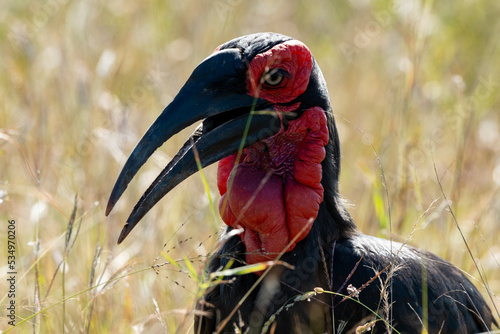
x=334 y=221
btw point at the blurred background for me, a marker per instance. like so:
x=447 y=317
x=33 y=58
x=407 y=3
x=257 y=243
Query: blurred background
x=414 y=87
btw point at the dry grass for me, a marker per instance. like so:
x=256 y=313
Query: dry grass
x=82 y=81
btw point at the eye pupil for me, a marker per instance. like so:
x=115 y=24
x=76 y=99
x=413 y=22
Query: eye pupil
x=273 y=78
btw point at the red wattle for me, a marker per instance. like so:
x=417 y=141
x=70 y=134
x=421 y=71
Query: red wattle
x=276 y=188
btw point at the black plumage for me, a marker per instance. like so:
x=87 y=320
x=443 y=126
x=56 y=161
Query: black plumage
x=455 y=305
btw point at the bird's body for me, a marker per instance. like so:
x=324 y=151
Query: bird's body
x=455 y=305
x=278 y=177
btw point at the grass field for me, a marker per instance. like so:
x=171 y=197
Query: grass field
x=81 y=81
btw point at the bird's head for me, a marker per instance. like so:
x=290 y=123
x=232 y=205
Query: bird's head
x=267 y=119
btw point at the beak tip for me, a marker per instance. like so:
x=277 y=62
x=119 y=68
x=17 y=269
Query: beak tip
x=108 y=209
x=124 y=233
x=129 y=226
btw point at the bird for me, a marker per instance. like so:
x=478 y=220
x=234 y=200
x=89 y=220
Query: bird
x=266 y=118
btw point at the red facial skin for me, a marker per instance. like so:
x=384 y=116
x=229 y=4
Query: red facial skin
x=276 y=187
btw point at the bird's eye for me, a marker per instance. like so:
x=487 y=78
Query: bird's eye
x=274 y=77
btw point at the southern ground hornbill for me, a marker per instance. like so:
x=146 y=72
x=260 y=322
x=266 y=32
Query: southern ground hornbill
x=267 y=119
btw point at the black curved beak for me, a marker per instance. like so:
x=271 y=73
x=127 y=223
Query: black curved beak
x=215 y=92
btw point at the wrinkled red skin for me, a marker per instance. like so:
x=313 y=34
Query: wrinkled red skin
x=276 y=188
x=292 y=56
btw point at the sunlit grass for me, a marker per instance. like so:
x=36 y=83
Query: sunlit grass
x=82 y=81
